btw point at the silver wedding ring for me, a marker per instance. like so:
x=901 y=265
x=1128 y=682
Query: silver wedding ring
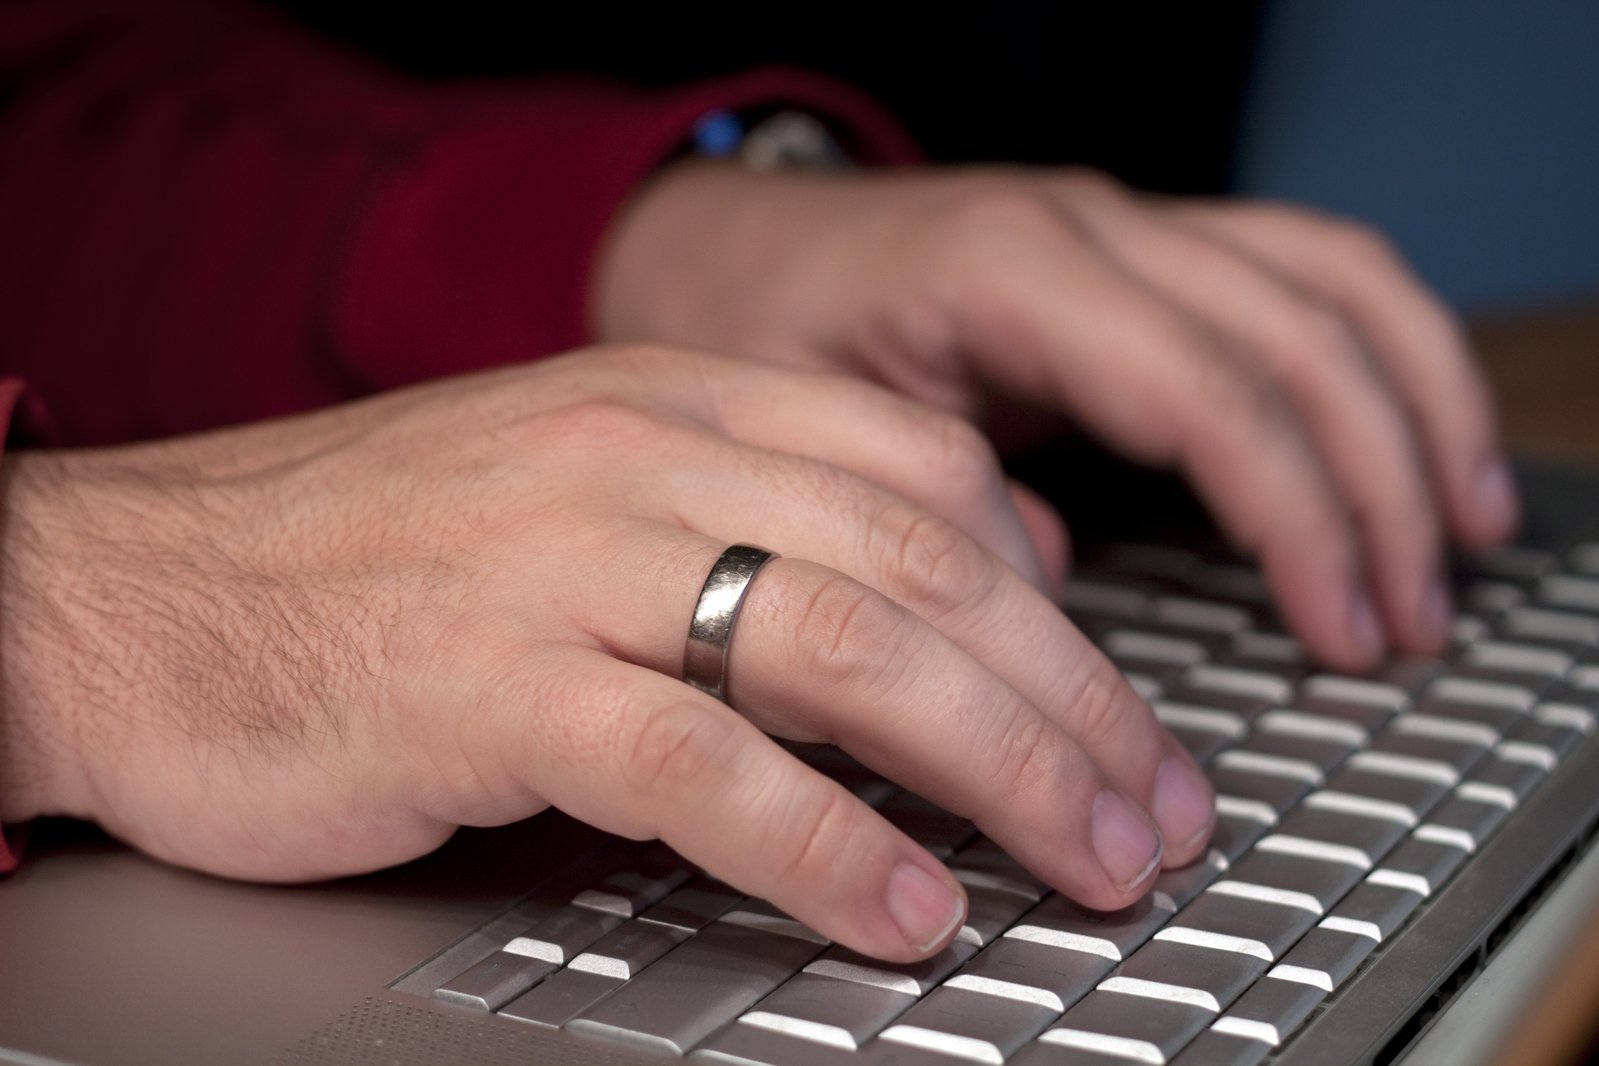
x=705 y=656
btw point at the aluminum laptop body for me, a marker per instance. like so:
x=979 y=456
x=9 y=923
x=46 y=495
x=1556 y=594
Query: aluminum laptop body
x=108 y=958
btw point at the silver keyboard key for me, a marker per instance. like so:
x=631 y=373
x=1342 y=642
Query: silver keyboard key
x=626 y=950
x=983 y=1020
x=1531 y=667
x=1325 y=882
x=1066 y=969
x=1373 y=837
x=1374 y=780
x=990 y=911
x=1235 y=833
x=1341 y=731
x=1513 y=776
x=1561 y=630
x=1429 y=862
x=1241 y=778
x=1119 y=1027
x=1458 y=754
x=697 y=987
x=1266 y=688
x=1086 y=597
x=912 y=978
x=1222 y=973
x=1274 y=928
x=1570 y=592
x=1409 y=673
x=984 y=868
x=934 y=828
x=494 y=981
x=1523 y=566
x=1215 y=1048
x=560 y=997
x=1584 y=558
x=1204 y=731
x=981 y=853
x=1059 y=922
x=1335 y=947
x=826 y=1010
x=1542 y=729
x=1323 y=752
x=694 y=906
x=767 y=916
x=1372 y=908
x=1489 y=598
x=657 y=871
x=1335 y=693
x=1200 y=616
x=1245 y=706
x=1183 y=884
x=563 y=935
x=1270 y=1011
x=1272 y=653
x=1463 y=819
x=1491 y=701
x=1162 y=657
x=1231 y=583
x=742 y=1045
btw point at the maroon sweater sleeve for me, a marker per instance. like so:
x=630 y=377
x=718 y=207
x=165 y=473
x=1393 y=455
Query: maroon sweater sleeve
x=207 y=217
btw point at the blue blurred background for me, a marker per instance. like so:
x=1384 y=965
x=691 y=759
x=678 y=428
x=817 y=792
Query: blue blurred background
x=1467 y=129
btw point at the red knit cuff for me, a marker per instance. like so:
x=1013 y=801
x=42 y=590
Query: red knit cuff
x=22 y=421
x=479 y=248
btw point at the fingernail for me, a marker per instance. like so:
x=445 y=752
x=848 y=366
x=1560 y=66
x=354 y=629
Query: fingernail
x=1435 y=614
x=1184 y=807
x=1125 y=843
x=1364 y=627
x=925 y=909
x=1496 y=496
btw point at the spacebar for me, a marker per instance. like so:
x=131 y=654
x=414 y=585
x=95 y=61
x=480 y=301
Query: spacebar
x=698 y=987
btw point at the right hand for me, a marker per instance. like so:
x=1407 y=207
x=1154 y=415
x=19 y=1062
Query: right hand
x=315 y=646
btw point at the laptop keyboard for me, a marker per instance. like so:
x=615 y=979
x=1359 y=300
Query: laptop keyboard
x=1343 y=804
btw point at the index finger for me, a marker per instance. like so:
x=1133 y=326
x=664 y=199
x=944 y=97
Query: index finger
x=1419 y=342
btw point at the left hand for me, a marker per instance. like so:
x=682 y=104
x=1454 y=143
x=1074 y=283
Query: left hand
x=1321 y=399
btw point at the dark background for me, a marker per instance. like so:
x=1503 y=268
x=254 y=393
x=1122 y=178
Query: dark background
x=1465 y=129
x=1150 y=94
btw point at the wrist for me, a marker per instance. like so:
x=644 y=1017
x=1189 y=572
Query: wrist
x=40 y=748
x=660 y=249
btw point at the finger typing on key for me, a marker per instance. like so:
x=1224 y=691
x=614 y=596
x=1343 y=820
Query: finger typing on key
x=330 y=589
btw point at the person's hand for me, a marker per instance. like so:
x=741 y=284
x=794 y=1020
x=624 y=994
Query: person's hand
x=316 y=646
x=1313 y=390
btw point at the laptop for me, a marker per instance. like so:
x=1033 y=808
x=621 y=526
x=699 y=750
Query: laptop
x=1400 y=871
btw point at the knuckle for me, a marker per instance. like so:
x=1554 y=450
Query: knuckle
x=1000 y=211
x=1242 y=394
x=1025 y=758
x=1101 y=707
x=846 y=634
x=675 y=748
x=1324 y=336
x=960 y=459
x=807 y=831
x=937 y=569
x=603 y=422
